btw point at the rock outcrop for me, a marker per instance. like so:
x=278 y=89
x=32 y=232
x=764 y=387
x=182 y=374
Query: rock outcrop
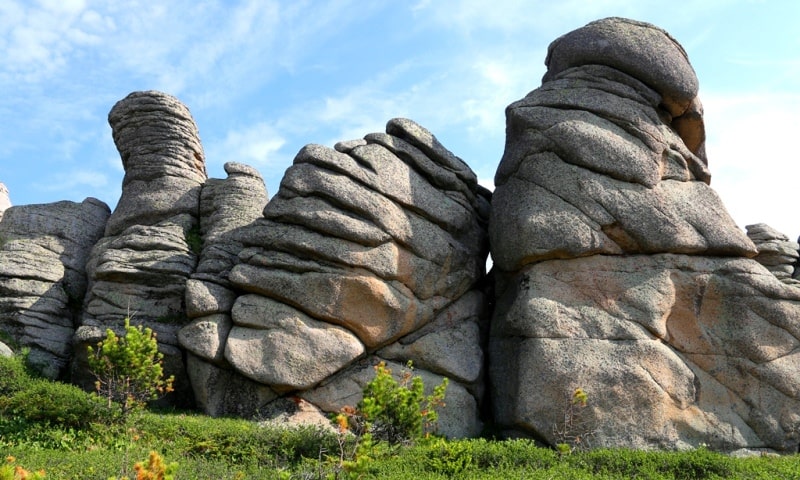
x=43 y=254
x=378 y=246
x=620 y=271
x=140 y=267
x=227 y=207
x=775 y=251
x=617 y=269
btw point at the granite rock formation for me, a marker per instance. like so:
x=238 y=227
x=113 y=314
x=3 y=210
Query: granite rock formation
x=620 y=271
x=617 y=269
x=140 y=267
x=775 y=251
x=378 y=245
x=43 y=254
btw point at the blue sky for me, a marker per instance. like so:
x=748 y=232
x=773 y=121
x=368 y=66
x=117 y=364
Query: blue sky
x=263 y=78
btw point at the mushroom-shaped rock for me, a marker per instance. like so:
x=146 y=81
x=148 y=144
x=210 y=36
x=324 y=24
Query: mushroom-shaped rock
x=619 y=270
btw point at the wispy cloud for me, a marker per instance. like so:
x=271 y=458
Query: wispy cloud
x=258 y=145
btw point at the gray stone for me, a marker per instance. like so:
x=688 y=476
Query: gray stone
x=162 y=156
x=205 y=337
x=44 y=250
x=222 y=392
x=681 y=334
x=639 y=49
x=207 y=298
x=140 y=267
x=293 y=412
x=594 y=164
x=276 y=344
x=775 y=251
x=451 y=344
x=619 y=271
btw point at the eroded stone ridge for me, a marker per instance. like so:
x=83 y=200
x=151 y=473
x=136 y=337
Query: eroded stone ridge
x=775 y=251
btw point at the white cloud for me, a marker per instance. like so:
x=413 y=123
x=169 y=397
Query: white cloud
x=69 y=180
x=752 y=156
x=258 y=145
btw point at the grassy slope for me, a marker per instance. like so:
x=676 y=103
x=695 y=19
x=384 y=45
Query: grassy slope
x=68 y=433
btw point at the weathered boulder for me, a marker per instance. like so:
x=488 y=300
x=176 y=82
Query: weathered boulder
x=220 y=391
x=390 y=231
x=139 y=269
x=451 y=345
x=673 y=351
x=775 y=251
x=44 y=250
x=620 y=272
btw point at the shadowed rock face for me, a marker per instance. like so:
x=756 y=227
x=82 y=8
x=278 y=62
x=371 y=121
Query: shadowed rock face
x=621 y=271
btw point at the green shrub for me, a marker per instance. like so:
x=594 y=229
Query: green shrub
x=449 y=458
x=14 y=374
x=56 y=403
x=394 y=411
x=128 y=368
x=194 y=239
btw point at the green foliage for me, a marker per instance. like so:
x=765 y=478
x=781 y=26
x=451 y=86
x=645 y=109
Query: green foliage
x=129 y=368
x=56 y=403
x=451 y=459
x=236 y=448
x=396 y=411
x=194 y=239
x=14 y=374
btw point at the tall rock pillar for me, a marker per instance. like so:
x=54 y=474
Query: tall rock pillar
x=140 y=267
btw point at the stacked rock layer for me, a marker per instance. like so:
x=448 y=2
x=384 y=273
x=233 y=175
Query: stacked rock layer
x=775 y=251
x=376 y=247
x=139 y=269
x=621 y=272
x=43 y=254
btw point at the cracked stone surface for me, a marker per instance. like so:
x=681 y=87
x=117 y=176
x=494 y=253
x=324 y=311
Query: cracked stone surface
x=620 y=272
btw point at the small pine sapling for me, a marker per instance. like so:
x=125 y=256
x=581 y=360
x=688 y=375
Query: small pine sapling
x=129 y=368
